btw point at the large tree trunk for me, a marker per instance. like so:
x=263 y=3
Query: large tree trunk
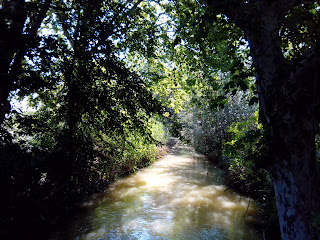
x=15 y=39
x=292 y=165
x=295 y=196
x=14 y=43
x=289 y=95
x=6 y=56
x=291 y=145
x=289 y=100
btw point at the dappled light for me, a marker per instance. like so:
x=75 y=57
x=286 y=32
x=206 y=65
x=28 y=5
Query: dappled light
x=92 y=92
x=180 y=196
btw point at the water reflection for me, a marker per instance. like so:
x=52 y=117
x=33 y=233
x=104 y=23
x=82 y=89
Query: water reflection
x=179 y=197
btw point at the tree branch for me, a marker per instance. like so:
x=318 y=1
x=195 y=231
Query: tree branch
x=123 y=11
x=31 y=34
x=230 y=8
x=287 y=5
x=41 y=15
x=313 y=54
x=133 y=8
x=240 y=11
x=283 y=6
x=307 y=75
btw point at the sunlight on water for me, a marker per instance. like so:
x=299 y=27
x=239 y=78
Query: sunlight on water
x=179 y=197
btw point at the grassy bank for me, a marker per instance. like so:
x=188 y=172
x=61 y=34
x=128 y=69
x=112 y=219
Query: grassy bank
x=39 y=205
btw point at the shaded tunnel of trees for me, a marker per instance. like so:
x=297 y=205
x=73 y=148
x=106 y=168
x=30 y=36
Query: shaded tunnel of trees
x=90 y=91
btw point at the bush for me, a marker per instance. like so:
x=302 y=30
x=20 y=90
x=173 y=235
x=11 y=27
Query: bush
x=244 y=153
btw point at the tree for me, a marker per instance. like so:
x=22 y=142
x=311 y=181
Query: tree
x=88 y=101
x=19 y=24
x=288 y=87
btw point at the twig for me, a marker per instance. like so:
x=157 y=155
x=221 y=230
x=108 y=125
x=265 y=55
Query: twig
x=247 y=208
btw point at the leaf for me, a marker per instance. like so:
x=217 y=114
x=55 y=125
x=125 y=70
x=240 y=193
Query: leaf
x=236 y=72
x=253 y=101
x=234 y=91
x=176 y=41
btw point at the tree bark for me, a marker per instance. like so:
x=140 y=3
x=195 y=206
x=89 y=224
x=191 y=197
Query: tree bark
x=294 y=189
x=288 y=99
x=14 y=43
x=292 y=147
x=289 y=110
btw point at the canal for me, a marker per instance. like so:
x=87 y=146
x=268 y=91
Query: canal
x=180 y=196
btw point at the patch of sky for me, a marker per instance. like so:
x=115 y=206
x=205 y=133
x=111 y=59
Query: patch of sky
x=22 y=105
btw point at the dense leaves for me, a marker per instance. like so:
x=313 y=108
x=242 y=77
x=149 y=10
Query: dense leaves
x=96 y=74
x=283 y=39
x=90 y=116
x=299 y=35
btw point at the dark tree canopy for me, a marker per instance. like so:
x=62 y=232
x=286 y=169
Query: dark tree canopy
x=88 y=67
x=286 y=63
x=283 y=38
x=91 y=109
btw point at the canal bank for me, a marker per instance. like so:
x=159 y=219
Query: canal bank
x=181 y=196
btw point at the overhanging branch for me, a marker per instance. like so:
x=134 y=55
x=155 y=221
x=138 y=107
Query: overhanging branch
x=41 y=15
x=230 y=8
x=287 y=5
x=283 y=6
x=307 y=74
x=313 y=54
x=31 y=34
x=238 y=10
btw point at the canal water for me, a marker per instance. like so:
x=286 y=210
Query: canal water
x=181 y=196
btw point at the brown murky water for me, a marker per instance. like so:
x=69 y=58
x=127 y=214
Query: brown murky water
x=179 y=197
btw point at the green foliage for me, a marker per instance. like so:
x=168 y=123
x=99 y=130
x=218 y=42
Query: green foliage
x=206 y=127
x=244 y=153
x=94 y=118
x=159 y=130
x=99 y=72
x=208 y=46
x=299 y=35
x=117 y=155
x=246 y=145
x=88 y=89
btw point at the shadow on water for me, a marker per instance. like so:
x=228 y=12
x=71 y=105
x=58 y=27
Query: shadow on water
x=181 y=196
